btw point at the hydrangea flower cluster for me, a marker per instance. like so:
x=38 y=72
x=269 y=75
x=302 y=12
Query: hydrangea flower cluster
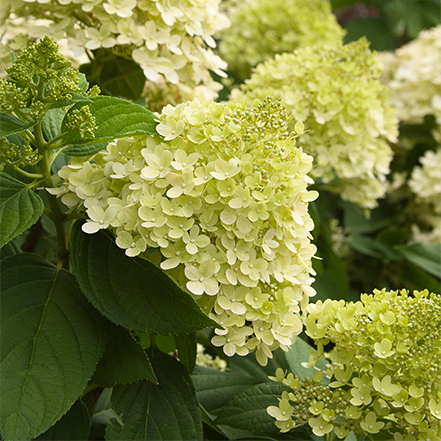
x=172 y=41
x=413 y=74
x=223 y=195
x=385 y=369
x=260 y=29
x=336 y=92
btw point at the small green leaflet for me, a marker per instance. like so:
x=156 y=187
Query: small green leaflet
x=115 y=118
x=20 y=208
x=10 y=124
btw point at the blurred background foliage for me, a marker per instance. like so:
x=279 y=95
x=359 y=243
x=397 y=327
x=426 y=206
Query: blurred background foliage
x=386 y=24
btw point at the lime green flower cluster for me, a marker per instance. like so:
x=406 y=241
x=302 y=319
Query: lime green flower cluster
x=385 y=369
x=223 y=194
x=171 y=41
x=336 y=92
x=260 y=29
x=413 y=74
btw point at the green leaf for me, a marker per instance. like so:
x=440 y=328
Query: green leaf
x=186 y=346
x=123 y=78
x=374 y=29
x=75 y=99
x=10 y=124
x=247 y=410
x=51 y=123
x=215 y=388
x=20 y=208
x=84 y=84
x=299 y=353
x=419 y=278
x=115 y=118
x=167 y=411
x=425 y=255
x=73 y=426
x=124 y=361
x=132 y=292
x=9 y=249
x=51 y=341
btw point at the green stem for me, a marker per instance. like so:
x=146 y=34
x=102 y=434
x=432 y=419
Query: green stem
x=27 y=174
x=71 y=216
x=57 y=215
x=49 y=144
x=89 y=388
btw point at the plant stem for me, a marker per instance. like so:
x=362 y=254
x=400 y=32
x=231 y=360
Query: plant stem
x=57 y=215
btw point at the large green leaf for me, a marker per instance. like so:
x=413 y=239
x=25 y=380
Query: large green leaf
x=124 y=361
x=20 y=208
x=247 y=410
x=115 y=118
x=215 y=388
x=167 y=411
x=425 y=255
x=10 y=124
x=186 y=346
x=51 y=341
x=123 y=78
x=74 y=426
x=132 y=292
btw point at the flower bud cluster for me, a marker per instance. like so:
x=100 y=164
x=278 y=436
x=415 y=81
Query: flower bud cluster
x=336 y=92
x=17 y=156
x=82 y=121
x=260 y=29
x=413 y=74
x=41 y=72
x=171 y=41
x=385 y=368
x=223 y=194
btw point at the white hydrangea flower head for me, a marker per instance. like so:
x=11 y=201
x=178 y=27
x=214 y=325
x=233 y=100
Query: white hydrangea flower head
x=413 y=73
x=222 y=193
x=260 y=29
x=171 y=41
x=336 y=92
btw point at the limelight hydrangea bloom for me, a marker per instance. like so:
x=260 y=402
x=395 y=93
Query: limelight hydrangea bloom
x=171 y=41
x=413 y=73
x=223 y=195
x=260 y=29
x=336 y=92
x=385 y=369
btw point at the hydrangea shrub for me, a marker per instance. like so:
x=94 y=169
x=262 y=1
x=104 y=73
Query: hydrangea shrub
x=384 y=369
x=346 y=110
x=223 y=194
x=260 y=29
